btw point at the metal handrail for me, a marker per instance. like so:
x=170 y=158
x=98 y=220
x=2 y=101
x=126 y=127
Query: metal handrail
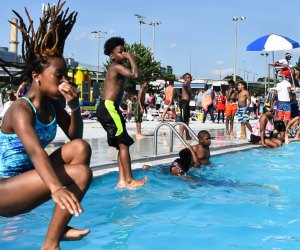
x=187 y=127
x=172 y=130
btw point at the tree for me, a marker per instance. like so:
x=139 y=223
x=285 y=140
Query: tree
x=149 y=68
x=229 y=77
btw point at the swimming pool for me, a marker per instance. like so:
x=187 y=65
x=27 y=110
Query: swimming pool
x=233 y=204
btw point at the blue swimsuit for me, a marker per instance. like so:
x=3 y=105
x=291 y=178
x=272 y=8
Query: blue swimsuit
x=13 y=158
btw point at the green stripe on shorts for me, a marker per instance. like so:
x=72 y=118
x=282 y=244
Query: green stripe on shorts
x=109 y=105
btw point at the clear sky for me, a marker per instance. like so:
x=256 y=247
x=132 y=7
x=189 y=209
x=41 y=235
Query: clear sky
x=192 y=32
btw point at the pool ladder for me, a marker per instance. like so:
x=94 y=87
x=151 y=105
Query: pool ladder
x=172 y=132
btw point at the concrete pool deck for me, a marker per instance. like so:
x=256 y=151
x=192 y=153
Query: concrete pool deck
x=104 y=158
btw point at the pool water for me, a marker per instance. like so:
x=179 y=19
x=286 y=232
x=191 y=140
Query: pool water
x=244 y=200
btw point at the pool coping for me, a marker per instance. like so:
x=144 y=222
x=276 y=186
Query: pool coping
x=99 y=170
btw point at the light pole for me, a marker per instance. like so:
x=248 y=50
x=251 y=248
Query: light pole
x=235 y=19
x=98 y=36
x=266 y=55
x=254 y=76
x=141 y=21
x=154 y=24
x=220 y=73
x=190 y=64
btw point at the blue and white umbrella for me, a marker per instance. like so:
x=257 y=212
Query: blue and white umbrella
x=272 y=42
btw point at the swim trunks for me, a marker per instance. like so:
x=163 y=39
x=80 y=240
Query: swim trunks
x=241 y=115
x=13 y=157
x=231 y=109
x=138 y=116
x=112 y=120
x=184 y=106
x=284 y=110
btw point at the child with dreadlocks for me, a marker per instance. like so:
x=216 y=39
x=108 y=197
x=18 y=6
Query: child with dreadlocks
x=28 y=175
x=108 y=113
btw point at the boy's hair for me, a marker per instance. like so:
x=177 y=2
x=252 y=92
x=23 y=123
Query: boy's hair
x=186 y=74
x=112 y=43
x=244 y=84
x=47 y=41
x=231 y=82
x=202 y=133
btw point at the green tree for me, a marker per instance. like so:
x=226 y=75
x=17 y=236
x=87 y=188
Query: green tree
x=229 y=77
x=149 y=68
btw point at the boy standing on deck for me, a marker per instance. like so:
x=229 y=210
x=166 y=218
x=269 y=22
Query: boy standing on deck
x=108 y=112
x=231 y=107
x=244 y=101
x=140 y=108
x=184 y=104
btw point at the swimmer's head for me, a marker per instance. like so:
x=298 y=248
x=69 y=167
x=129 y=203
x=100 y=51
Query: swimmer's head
x=181 y=165
x=176 y=167
x=204 y=137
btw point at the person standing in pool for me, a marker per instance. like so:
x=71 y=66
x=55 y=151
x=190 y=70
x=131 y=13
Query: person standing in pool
x=28 y=175
x=200 y=151
x=108 y=112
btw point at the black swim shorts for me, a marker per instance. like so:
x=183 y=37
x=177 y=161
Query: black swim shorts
x=184 y=106
x=112 y=120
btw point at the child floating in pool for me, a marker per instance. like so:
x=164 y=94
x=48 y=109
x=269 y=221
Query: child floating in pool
x=200 y=151
x=28 y=175
x=108 y=112
x=181 y=165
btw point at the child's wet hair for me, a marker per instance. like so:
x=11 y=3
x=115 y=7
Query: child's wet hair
x=202 y=133
x=112 y=43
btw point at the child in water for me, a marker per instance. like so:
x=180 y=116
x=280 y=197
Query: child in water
x=200 y=151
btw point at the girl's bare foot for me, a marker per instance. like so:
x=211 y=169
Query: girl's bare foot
x=74 y=234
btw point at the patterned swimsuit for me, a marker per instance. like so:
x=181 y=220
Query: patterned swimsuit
x=13 y=157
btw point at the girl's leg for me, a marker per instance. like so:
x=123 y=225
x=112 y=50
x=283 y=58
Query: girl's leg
x=26 y=191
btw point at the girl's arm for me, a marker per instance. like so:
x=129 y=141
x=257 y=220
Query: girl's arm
x=22 y=119
x=72 y=124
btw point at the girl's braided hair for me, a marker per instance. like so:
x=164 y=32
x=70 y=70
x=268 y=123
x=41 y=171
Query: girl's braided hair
x=49 y=39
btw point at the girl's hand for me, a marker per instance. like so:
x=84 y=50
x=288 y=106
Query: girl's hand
x=67 y=200
x=69 y=92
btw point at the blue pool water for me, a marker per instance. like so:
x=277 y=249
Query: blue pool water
x=232 y=204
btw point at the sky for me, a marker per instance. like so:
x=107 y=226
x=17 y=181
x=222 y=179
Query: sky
x=194 y=35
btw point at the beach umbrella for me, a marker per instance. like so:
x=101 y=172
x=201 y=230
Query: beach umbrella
x=272 y=42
